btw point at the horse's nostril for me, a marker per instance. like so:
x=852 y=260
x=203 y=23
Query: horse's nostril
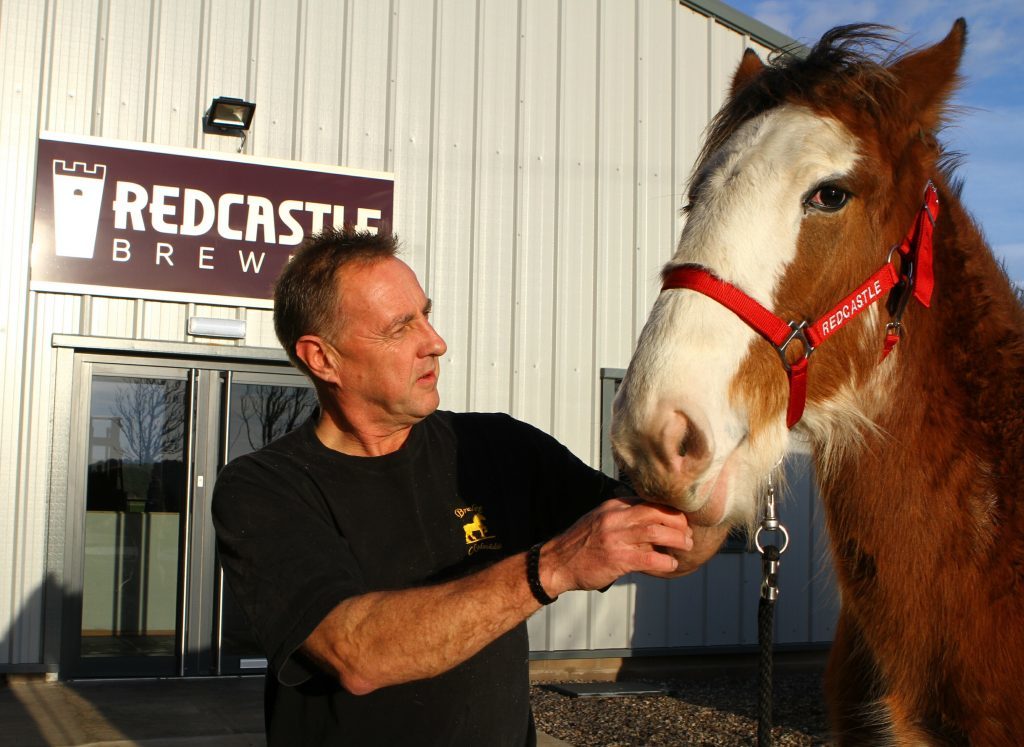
x=683 y=442
x=692 y=445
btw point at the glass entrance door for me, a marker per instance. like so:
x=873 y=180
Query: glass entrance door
x=136 y=493
x=150 y=599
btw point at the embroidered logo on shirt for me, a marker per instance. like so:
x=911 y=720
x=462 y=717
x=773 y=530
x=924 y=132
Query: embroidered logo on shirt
x=478 y=537
x=475 y=530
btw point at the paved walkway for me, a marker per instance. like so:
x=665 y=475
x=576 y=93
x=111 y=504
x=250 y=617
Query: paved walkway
x=221 y=712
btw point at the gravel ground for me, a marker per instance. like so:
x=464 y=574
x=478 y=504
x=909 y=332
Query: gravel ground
x=698 y=711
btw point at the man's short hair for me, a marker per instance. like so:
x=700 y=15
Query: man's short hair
x=306 y=292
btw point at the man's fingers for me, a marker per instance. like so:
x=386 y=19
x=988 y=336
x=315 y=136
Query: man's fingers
x=657 y=527
x=660 y=535
x=657 y=562
x=648 y=513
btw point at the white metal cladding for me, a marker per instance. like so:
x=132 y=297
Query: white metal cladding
x=540 y=151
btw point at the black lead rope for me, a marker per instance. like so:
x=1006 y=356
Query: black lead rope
x=770 y=556
x=765 y=629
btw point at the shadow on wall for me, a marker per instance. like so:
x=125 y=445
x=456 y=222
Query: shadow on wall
x=21 y=725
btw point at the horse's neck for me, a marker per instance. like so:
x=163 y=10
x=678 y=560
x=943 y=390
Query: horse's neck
x=950 y=445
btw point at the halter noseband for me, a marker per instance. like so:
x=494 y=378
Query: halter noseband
x=914 y=278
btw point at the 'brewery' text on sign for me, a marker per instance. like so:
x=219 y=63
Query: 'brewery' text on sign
x=140 y=220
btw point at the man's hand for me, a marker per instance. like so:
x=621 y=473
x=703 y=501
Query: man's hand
x=618 y=537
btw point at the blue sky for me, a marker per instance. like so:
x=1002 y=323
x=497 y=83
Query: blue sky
x=990 y=133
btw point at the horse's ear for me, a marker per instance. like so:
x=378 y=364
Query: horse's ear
x=749 y=68
x=929 y=76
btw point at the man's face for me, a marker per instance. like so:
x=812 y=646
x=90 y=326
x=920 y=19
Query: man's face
x=387 y=348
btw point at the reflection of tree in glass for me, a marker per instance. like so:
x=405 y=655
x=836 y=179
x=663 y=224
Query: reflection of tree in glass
x=151 y=415
x=269 y=412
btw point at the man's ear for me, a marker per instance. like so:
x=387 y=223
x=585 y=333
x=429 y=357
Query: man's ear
x=319 y=357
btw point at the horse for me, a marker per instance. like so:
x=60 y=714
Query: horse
x=829 y=287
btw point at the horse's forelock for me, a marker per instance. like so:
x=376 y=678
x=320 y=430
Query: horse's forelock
x=849 y=63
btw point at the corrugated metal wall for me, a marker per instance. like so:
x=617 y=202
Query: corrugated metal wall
x=540 y=150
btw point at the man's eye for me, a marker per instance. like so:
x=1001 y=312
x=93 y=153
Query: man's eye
x=828 y=198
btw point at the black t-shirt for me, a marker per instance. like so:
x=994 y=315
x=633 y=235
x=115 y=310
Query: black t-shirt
x=302 y=527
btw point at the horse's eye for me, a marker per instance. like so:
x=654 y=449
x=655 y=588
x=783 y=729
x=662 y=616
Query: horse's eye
x=829 y=198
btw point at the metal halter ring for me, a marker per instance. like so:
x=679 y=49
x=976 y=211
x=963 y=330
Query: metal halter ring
x=779 y=528
x=799 y=333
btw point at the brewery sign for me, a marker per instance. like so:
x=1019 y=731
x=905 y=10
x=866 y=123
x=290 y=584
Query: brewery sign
x=142 y=221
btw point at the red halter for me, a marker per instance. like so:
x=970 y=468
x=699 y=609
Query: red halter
x=915 y=278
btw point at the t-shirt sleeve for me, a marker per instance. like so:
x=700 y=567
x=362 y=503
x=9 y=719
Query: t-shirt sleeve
x=285 y=561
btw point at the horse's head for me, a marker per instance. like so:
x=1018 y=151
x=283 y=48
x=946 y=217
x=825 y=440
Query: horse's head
x=812 y=171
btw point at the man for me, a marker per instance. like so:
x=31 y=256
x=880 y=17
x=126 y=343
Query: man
x=388 y=554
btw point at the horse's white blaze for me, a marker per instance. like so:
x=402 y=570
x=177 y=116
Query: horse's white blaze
x=744 y=227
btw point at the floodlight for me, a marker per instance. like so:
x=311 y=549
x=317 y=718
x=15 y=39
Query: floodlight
x=228 y=116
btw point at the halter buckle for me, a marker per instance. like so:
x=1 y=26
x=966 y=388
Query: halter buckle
x=799 y=333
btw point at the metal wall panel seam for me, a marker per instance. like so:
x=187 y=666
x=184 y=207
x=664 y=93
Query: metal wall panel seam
x=276 y=60
x=152 y=65
x=366 y=125
x=710 y=69
x=202 y=70
x=513 y=400
x=428 y=271
x=413 y=81
x=556 y=244
x=138 y=318
x=254 y=37
x=299 y=75
x=570 y=625
x=99 y=65
x=127 y=57
x=639 y=100
x=494 y=221
x=595 y=362
x=389 y=116
x=474 y=201
x=574 y=383
x=535 y=298
x=454 y=185
x=612 y=326
x=345 y=89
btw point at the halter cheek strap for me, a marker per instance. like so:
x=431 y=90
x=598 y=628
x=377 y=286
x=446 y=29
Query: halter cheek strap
x=915 y=278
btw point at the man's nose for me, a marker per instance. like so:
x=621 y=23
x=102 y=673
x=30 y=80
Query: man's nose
x=435 y=344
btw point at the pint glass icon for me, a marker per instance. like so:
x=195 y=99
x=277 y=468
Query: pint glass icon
x=77 y=197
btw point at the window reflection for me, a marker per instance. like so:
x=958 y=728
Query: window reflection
x=262 y=413
x=135 y=490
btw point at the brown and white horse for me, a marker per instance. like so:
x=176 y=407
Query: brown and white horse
x=812 y=201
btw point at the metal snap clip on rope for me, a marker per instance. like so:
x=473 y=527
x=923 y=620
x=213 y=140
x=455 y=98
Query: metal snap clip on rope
x=770 y=522
x=770 y=556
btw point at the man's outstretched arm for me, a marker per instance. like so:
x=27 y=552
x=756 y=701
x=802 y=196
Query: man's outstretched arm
x=386 y=638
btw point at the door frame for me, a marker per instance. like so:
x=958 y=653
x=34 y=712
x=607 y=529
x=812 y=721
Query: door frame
x=77 y=356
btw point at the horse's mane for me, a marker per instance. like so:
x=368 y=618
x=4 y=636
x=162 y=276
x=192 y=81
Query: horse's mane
x=849 y=64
